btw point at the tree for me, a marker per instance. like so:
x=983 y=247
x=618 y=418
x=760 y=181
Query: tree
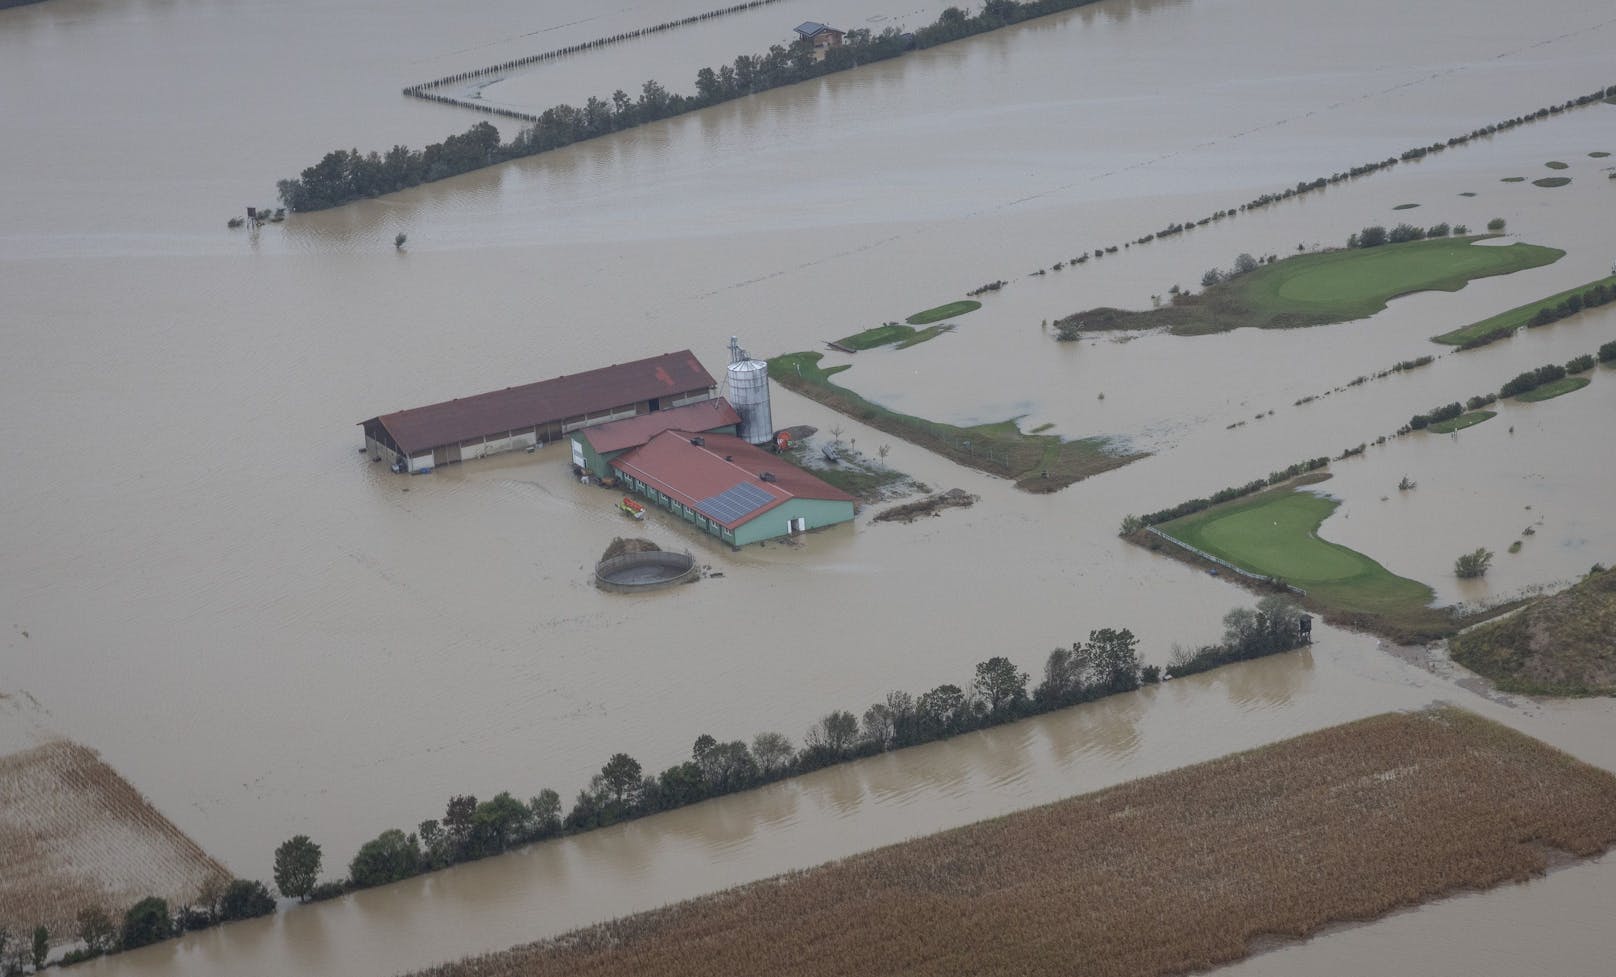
x=211 y=891
x=399 y=239
x=707 y=85
x=878 y=727
x=940 y=711
x=772 y=752
x=1496 y=224
x=457 y=822
x=146 y=922
x=1000 y=685
x=497 y=820
x=1472 y=565
x=544 y=811
x=836 y=732
x=1211 y=277
x=1245 y=263
x=621 y=777
x=41 y=947
x=390 y=856
x=244 y=899
x=96 y=929
x=297 y=867
x=1372 y=237
x=1115 y=659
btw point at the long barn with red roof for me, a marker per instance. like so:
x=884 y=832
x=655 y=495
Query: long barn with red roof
x=421 y=438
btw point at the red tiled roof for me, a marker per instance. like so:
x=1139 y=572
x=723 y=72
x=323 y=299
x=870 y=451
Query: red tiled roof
x=544 y=402
x=635 y=431
x=692 y=473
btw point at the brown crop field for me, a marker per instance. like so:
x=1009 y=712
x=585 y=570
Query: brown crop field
x=74 y=834
x=1170 y=874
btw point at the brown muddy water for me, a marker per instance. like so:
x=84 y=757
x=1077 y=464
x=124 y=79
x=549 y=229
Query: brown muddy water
x=268 y=635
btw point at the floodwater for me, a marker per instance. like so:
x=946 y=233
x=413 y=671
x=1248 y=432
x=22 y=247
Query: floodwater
x=269 y=635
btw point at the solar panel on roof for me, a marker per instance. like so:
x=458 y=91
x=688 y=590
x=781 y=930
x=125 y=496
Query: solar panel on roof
x=735 y=503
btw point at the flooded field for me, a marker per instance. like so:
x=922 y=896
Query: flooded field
x=266 y=634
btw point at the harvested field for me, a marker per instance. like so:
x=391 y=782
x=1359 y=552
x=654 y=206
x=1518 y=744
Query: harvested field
x=1170 y=874
x=75 y=834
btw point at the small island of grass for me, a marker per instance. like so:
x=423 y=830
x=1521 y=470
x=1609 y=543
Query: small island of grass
x=1556 y=388
x=1552 y=181
x=1036 y=462
x=1405 y=206
x=943 y=312
x=1513 y=179
x=1325 y=287
x=1561 y=645
x=1555 y=164
x=1598 y=154
x=1468 y=419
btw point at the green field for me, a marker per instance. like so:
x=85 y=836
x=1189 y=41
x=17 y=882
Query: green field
x=1036 y=462
x=1275 y=533
x=1469 y=419
x=942 y=312
x=1515 y=318
x=892 y=334
x=1549 y=391
x=1327 y=287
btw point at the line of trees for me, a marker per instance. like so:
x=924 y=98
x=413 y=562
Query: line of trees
x=1106 y=664
x=346 y=175
x=1591 y=297
x=1132 y=524
x=1375 y=235
x=1517 y=385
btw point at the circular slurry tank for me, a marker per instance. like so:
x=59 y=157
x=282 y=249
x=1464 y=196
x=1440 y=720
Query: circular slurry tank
x=638 y=572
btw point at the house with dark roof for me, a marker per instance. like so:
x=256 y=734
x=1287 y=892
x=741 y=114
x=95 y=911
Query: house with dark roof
x=421 y=438
x=594 y=448
x=821 y=36
x=724 y=486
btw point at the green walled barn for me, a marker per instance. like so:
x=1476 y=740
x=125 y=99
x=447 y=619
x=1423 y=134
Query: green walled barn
x=735 y=491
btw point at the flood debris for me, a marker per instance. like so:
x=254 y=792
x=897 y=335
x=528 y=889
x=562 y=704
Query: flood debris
x=931 y=505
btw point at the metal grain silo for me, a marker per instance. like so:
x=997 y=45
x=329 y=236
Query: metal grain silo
x=749 y=394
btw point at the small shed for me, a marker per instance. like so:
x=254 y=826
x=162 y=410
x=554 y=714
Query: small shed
x=823 y=37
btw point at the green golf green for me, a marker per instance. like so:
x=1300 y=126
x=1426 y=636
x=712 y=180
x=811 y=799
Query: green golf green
x=1276 y=534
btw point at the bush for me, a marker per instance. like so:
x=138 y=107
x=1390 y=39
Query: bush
x=1496 y=224
x=146 y=922
x=1607 y=352
x=1472 y=565
x=1580 y=364
x=1371 y=237
x=326 y=890
x=1403 y=233
x=388 y=857
x=245 y=899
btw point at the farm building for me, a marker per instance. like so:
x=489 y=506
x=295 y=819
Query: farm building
x=593 y=448
x=821 y=36
x=422 y=438
x=731 y=489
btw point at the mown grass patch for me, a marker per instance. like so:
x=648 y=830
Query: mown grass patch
x=942 y=312
x=1327 y=287
x=1560 y=645
x=1036 y=462
x=1468 y=419
x=1549 y=182
x=1275 y=533
x=893 y=334
x=1549 y=391
x=1515 y=318
x=1170 y=874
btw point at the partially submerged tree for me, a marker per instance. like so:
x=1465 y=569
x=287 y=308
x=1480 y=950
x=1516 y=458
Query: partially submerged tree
x=297 y=867
x=1472 y=565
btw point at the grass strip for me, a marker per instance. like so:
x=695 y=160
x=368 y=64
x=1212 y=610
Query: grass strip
x=1553 y=389
x=892 y=334
x=1326 y=287
x=942 y=312
x=1036 y=462
x=1175 y=873
x=1515 y=318
x=1550 y=182
x=1468 y=419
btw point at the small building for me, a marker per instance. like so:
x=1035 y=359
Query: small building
x=729 y=488
x=422 y=438
x=594 y=448
x=821 y=36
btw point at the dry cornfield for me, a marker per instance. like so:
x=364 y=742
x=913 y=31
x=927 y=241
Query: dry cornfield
x=74 y=834
x=1173 y=873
